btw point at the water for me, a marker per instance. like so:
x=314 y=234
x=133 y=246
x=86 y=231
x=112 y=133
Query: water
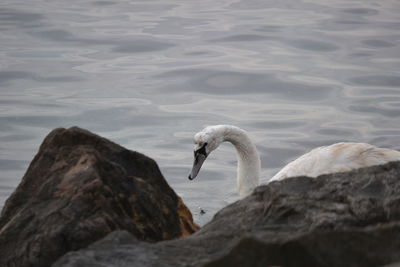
x=150 y=74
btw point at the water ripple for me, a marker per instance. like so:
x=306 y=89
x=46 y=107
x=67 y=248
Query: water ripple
x=149 y=74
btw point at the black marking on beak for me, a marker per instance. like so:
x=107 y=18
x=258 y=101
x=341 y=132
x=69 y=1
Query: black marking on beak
x=201 y=151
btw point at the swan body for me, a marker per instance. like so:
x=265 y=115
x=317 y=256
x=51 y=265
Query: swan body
x=338 y=157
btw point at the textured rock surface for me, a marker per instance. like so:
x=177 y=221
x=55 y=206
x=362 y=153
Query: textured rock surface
x=344 y=219
x=79 y=188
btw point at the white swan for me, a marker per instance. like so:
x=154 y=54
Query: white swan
x=338 y=157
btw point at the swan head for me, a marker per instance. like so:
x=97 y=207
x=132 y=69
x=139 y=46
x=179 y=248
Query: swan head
x=204 y=143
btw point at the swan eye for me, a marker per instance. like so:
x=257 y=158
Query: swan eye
x=201 y=150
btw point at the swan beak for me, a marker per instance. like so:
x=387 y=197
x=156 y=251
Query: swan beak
x=198 y=162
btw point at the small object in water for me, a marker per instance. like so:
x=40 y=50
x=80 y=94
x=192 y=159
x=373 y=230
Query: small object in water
x=202 y=211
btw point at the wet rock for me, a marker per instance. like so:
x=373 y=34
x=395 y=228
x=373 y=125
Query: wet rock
x=79 y=188
x=343 y=219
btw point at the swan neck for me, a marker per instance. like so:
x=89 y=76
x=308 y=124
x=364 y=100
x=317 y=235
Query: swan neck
x=249 y=166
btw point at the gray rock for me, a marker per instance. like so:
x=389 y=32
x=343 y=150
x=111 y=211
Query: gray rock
x=342 y=219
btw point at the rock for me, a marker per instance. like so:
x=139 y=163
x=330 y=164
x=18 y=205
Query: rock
x=80 y=187
x=343 y=219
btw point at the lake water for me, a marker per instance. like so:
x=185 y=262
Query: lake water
x=150 y=74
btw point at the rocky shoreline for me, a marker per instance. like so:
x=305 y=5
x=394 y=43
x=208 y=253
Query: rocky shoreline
x=86 y=201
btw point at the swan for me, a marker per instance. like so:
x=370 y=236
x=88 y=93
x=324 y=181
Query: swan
x=338 y=157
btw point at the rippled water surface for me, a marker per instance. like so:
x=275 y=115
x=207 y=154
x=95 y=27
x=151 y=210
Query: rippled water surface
x=149 y=74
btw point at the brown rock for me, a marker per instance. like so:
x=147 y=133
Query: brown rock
x=79 y=188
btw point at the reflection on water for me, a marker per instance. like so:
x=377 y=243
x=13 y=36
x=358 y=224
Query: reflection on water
x=150 y=74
